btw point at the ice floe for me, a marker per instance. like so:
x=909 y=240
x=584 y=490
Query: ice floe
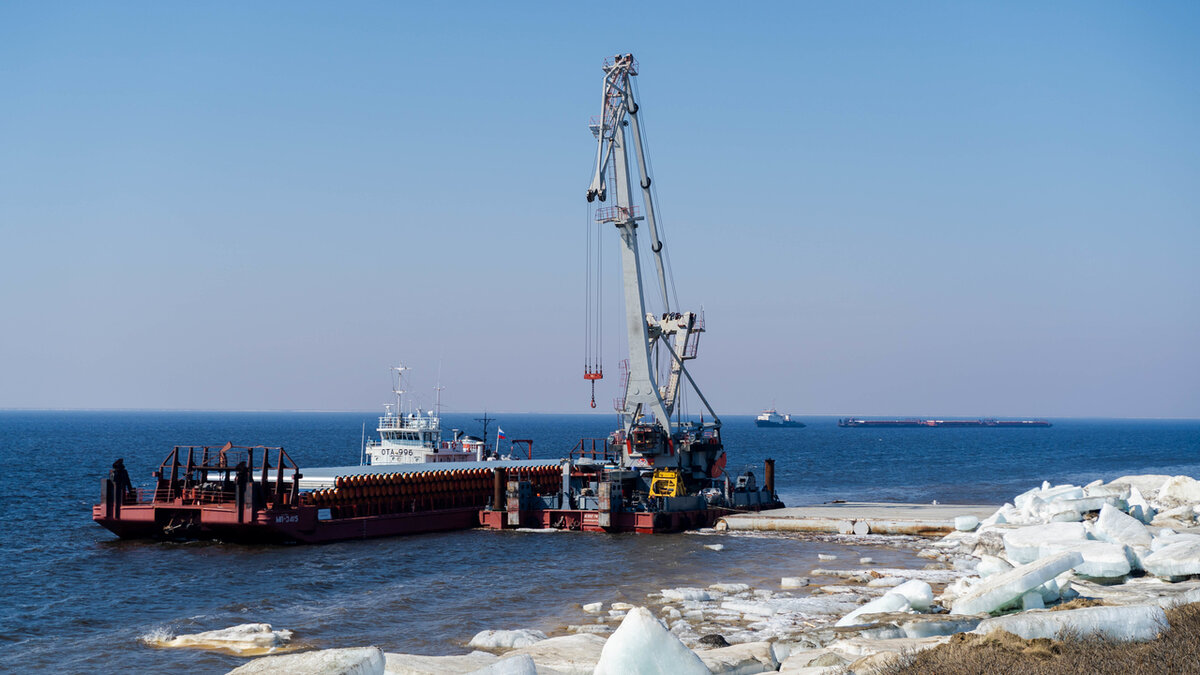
x=642 y=645
x=506 y=639
x=569 y=654
x=1179 y=489
x=352 y=661
x=966 y=523
x=1000 y=590
x=1180 y=559
x=521 y=664
x=918 y=593
x=1129 y=623
x=1027 y=544
x=742 y=659
x=245 y=639
x=990 y=564
x=420 y=664
x=890 y=602
x=1121 y=528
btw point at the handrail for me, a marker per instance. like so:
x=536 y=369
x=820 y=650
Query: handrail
x=401 y=422
x=582 y=450
x=210 y=470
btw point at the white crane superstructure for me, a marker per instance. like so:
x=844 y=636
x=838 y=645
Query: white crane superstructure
x=657 y=442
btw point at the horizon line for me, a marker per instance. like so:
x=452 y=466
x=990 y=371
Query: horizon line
x=588 y=413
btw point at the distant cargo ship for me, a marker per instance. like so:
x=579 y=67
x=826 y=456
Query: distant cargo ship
x=916 y=422
x=771 y=418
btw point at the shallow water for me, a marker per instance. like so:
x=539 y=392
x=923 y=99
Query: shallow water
x=78 y=600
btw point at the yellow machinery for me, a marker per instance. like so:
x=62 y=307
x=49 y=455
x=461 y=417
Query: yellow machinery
x=666 y=483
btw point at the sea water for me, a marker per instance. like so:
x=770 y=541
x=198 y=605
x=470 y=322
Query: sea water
x=76 y=599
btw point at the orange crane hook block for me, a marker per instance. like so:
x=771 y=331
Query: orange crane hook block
x=593 y=375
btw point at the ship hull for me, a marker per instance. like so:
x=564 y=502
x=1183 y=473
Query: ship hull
x=301 y=525
x=763 y=424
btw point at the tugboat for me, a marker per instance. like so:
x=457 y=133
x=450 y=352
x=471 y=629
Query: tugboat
x=416 y=437
x=771 y=419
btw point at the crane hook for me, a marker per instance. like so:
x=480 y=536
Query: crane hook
x=593 y=393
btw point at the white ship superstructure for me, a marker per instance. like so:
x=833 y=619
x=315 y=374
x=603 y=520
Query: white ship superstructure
x=416 y=437
x=771 y=418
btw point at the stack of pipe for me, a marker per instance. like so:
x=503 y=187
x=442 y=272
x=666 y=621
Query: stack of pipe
x=383 y=493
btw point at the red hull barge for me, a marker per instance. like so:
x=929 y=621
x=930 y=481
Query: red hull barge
x=641 y=522
x=254 y=495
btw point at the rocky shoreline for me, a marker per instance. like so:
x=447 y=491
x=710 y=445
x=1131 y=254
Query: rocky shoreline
x=1104 y=560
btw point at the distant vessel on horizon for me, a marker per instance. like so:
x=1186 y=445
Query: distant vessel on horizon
x=917 y=422
x=770 y=418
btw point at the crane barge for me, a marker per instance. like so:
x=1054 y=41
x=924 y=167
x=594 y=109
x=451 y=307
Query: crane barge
x=657 y=472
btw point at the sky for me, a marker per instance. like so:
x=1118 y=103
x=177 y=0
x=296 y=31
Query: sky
x=942 y=209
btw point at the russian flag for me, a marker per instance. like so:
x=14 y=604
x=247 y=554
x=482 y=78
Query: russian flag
x=500 y=435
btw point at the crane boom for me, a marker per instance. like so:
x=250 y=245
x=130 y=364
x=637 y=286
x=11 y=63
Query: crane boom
x=654 y=442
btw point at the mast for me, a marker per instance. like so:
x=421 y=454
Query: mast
x=398 y=389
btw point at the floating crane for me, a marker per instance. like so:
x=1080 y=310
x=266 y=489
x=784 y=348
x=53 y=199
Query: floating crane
x=648 y=436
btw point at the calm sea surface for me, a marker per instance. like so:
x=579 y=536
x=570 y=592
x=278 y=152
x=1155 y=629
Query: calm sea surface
x=76 y=599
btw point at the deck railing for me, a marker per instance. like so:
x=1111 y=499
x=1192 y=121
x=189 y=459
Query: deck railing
x=401 y=422
x=213 y=474
x=594 y=448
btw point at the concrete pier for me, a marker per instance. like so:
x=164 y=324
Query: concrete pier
x=858 y=518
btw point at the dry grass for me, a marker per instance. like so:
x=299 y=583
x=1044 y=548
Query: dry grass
x=1176 y=650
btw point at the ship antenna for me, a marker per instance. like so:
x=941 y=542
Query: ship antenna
x=398 y=388
x=486 y=420
x=438 y=389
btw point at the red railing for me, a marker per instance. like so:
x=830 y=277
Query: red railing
x=210 y=474
x=587 y=447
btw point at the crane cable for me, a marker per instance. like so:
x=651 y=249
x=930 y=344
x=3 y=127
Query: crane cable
x=648 y=170
x=593 y=361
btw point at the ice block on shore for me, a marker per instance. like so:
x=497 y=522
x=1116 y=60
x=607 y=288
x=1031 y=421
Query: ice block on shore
x=1176 y=560
x=506 y=639
x=890 y=602
x=918 y=593
x=1024 y=545
x=1007 y=588
x=642 y=645
x=351 y=661
x=1119 y=528
x=1124 y=624
x=245 y=639
x=1100 y=559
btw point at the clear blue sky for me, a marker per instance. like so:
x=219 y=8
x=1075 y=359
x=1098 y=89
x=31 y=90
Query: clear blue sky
x=884 y=208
